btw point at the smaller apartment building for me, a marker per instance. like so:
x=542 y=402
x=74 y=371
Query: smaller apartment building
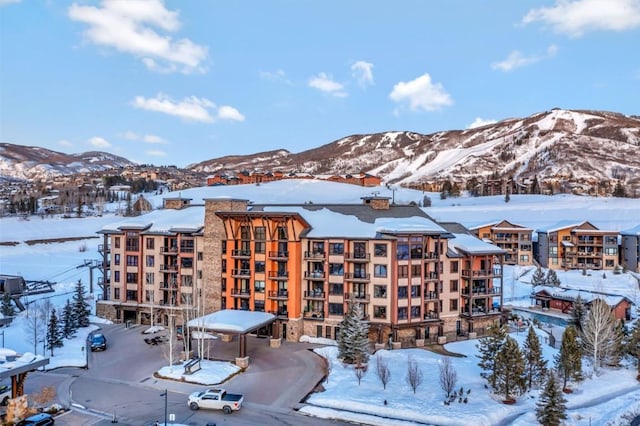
x=577 y=246
x=631 y=249
x=515 y=240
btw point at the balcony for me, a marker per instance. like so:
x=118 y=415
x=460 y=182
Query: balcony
x=241 y=273
x=241 y=254
x=168 y=268
x=169 y=250
x=313 y=315
x=357 y=257
x=310 y=255
x=314 y=275
x=357 y=276
x=431 y=316
x=278 y=275
x=431 y=295
x=431 y=276
x=278 y=255
x=314 y=295
x=481 y=312
x=482 y=273
x=357 y=297
x=168 y=286
x=431 y=256
x=242 y=293
x=278 y=294
x=279 y=313
x=482 y=291
x=104 y=248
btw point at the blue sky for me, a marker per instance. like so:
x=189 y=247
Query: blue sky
x=178 y=82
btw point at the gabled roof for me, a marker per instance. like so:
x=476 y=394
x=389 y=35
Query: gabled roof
x=569 y=294
x=635 y=231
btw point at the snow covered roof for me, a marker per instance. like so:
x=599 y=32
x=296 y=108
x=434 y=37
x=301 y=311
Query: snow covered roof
x=635 y=231
x=473 y=245
x=564 y=224
x=186 y=220
x=563 y=293
x=233 y=321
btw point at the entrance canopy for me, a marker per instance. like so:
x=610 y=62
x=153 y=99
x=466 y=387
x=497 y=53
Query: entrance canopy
x=233 y=321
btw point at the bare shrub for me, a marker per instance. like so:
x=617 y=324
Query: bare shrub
x=414 y=374
x=448 y=376
x=382 y=368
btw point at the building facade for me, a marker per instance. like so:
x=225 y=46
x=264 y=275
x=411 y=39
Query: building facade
x=630 y=247
x=515 y=240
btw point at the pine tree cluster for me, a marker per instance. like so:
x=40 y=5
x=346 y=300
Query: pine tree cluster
x=74 y=315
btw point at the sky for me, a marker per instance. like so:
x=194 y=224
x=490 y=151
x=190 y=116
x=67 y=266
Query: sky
x=599 y=399
x=175 y=83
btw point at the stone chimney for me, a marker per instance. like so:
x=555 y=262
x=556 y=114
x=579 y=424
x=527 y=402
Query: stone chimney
x=376 y=202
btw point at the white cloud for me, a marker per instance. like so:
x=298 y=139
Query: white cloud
x=277 y=76
x=99 y=142
x=325 y=83
x=152 y=139
x=132 y=27
x=6 y=2
x=129 y=135
x=156 y=153
x=191 y=108
x=65 y=143
x=226 y=112
x=516 y=59
x=479 y=122
x=421 y=94
x=362 y=72
x=578 y=17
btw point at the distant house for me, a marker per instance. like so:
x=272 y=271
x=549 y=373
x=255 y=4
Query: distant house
x=561 y=299
x=515 y=240
x=631 y=249
x=577 y=246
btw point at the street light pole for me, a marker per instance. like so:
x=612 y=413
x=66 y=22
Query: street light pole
x=165 y=406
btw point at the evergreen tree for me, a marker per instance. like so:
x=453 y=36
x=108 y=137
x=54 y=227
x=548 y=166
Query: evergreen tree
x=552 y=278
x=578 y=314
x=551 y=405
x=69 y=325
x=535 y=186
x=488 y=347
x=510 y=366
x=353 y=339
x=568 y=361
x=80 y=306
x=54 y=339
x=632 y=344
x=538 y=277
x=619 y=191
x=536 y=366
x=507 y=197
x=7 y=309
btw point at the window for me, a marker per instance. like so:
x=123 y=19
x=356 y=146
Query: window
x=317 y=247
x=380 y=250
x=116 y=293
x=223 y=266
x=553 y=251
x=148 y=295
x=151 y=260
x=611 y=251
x=380 y=271
x=611 y=240
x=524 y=258
x=199 y=273
x=186 y=246
x=402 y=292
x=260 y=233
x=336 y=309
x=415 y=270
x=186 y=280
x=260 y=266
x=336 y=289
x=416 y=251
x=149 y=243
x=336 y=269
x=116 y=276
x=415 y=291
x=132 y=260
x=380 y=291
x=132 y=244
x=258 y=305
x=525 y=247
x=260 y=246
x=403 y=271
x=223 y=285
x=186 y=298
x=336 y=248
x=402 y=313
x=402 y=251
x=132 y=278
x=186 y=262
x=360 y=250
x=380 y=312
x=454 y=267
x=149 y=278
x=282 y=233
x=116 y=259
x=116 y=242
x=453 y=305
x=245 y=233
x=453 y=285
x=200 y=256
x=415 y=312
x=259 y=286
x=224 y=247
x=132 y=295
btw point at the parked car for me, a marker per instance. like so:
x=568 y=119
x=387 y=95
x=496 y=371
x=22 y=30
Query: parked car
x=42 y=419
x=215 y=399
x=98 y=342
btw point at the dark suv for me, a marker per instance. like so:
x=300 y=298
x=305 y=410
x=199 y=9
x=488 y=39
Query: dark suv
x=98 y=342
x=42 y=419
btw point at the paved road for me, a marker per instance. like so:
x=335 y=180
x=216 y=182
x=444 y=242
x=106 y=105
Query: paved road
x=119 y=384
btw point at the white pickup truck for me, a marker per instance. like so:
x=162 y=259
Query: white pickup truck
x=215 y=399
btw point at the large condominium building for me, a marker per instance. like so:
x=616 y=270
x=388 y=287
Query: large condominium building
x=414 y=278
x=631 y=249
x=577 y=246
x=515 y=240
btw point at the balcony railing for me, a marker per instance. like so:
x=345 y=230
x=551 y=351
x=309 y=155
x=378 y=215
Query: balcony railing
x=314 y=275
x=279 y=255
x=168 y=268
x=431 y=315
x=278 y=294
x=431 y=276
x=313 y=315
x=279 y=313
x=169 y=250
x=357 y=257
x=357 y=297
x=278 y=275
x=431 y=256
x=243 y=293
x=102 y=248
x=480 y=312
x=482 y=291
x=481 y=273
x=168 y=286
x=241 y=272
x=314 y=254
x=357 y=276
x=431 y=295
x=241 y=254
x=314 y=295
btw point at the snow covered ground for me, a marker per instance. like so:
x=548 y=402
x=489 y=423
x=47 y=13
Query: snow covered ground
x=600 y=400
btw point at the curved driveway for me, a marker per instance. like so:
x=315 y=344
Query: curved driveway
x=119 y=384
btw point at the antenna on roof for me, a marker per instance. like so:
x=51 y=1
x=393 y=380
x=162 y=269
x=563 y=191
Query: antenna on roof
x=375 y=193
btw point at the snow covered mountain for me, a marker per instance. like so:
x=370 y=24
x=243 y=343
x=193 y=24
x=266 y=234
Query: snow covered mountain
x=574 y=148
x=35 y=163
